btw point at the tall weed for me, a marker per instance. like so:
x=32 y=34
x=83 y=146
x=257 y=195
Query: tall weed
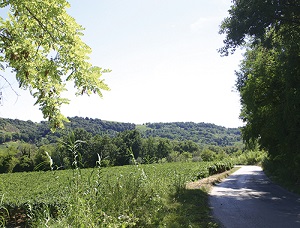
x=124 y=201
x=3 y=212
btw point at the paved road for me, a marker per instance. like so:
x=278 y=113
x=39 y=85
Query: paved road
x=247 y=198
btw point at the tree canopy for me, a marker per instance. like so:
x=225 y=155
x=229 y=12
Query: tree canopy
x=250 y=20
x=42 y=44
x=269 y=76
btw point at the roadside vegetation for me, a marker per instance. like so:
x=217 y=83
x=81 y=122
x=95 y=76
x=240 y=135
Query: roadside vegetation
x=114 y=179
x=268 y=80
x=127 y=196
x=108 y=174
x=280 y=175
x=136 y=195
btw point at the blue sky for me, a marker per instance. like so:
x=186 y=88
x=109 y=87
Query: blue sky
x=164 y=61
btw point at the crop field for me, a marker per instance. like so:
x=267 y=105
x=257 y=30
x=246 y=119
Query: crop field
x=127 y=196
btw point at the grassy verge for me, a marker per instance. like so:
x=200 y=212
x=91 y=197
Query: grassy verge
x=206 y=184
x=190 y=206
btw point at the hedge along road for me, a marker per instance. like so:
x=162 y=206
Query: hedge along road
x=247 y=198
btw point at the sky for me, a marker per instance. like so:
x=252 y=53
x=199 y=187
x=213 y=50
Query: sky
x=164 y=61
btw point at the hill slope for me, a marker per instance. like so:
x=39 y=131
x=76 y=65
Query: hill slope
x=201 y=133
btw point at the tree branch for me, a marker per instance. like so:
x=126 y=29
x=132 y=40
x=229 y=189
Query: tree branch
x=40 y=23
x=10 y=85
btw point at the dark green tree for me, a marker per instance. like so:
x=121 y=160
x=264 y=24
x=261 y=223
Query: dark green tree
x=103 y=147
x=128 y=142
x=269 y=77
x=207 y=155
x=164 y=148
x=250 y=20
x=25 y=164
x=7 y=163
x=149 y=150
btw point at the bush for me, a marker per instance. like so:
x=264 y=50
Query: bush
x=7 y=163
x=208 y=155
x=220 y=167
x=250 y=157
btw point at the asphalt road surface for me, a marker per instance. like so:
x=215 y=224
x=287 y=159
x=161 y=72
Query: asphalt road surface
x=247 y=198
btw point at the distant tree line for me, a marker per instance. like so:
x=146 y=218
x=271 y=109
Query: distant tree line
x=202 y=133
x=27 y=146
x=40 y=134
x=125 y=148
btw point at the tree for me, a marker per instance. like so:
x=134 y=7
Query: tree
x=42 y=44
x=250 y=20
x=149 y=150
x=190 y=146
x=129 y=143
x=103 y=147
x=164 y=148
x=207 y=155
x=7 y=163
x=25 y=163
x=269 y=77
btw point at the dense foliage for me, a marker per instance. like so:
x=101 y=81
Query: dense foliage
x=201 y=133
x=42 y=44
x=26 y=146
x=40 y=133
x=269 y=78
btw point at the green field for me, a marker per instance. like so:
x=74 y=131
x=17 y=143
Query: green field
x=127 y=196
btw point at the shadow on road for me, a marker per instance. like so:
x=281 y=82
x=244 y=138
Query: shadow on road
x=249 y=199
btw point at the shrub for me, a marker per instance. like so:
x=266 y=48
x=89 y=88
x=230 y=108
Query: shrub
x=220 y=167
x=250 y=157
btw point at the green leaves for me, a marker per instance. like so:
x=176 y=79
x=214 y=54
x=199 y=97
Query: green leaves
x=250 y=20
x=43 y=46
x=269 y=76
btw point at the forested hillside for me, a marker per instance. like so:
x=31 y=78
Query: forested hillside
x=201 y=133
x=28 y=131
x=27 y=146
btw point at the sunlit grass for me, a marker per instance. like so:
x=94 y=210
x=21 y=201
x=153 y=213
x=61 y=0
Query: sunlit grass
x=128 y=196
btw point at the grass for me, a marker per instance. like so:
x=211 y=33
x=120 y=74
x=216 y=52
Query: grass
x=129 y=196
x=206 y=184
x=191 y=207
